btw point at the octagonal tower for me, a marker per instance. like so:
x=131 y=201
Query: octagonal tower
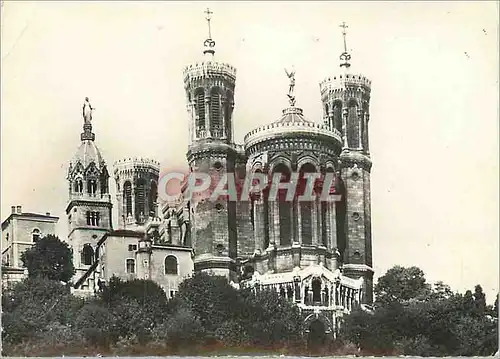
x=136 y=190
x=209 y=87
x=346 y=99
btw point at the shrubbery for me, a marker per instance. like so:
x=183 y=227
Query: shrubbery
x=411 y=318
x=40 y=315
x=208 y=315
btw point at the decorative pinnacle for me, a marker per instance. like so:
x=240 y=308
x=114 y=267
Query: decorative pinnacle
x=209 y=43
x=291 y=87
x=345 y=56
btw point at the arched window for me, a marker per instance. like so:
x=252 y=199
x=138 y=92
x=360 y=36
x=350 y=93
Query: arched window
x=127 y=195
x=35 y=235
x=91 y=187
x=324 y=218
x=316 y=289
x=140 y=200
x=153 y=194
x=352 y=125
x=306 y=207
x=215 y=113
x=327 y=109
x=87 y=255
x=228 y=108
x=171 y=265
x=104 y=183
x=78 y=185
x=130 y=263
x=340 y=215
x=200 y=111
x=337 y=115
x=284 y=207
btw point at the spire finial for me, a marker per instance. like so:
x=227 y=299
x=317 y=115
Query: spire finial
x=87 y=121
x=209 y=43
x=291 y=87
x=345 y=56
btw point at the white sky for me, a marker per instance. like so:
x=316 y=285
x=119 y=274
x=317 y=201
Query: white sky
x=433 y=134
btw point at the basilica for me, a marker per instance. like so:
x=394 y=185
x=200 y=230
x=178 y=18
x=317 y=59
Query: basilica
x=317 y=254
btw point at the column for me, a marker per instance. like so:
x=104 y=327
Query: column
x=207 y=113
x=132 y=195
x=294 y=222
x=331 y=123
x=345 y=112
x=192 y=113
x=299 y=221
x=360 y=129
x=222 y=102
x=274 y=222
x=259 y=227
x=316 y=234
x=367 y=142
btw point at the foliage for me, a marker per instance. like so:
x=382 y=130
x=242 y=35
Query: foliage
x=269 y=318
x=422 y=321
x=401 y=284
x=33 y=304
x=209 y=315
x=49 y=258
x=211 y=299
x=95 y=323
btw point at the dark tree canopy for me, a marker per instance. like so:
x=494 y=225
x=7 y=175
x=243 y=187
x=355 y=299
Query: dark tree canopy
x=49 y=258
x=479 y=299
x=401 y=284
x=413 y=319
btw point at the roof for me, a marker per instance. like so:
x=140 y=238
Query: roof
x=28 y=215
x=121 y=233
x=87 y=153
x=293 y=115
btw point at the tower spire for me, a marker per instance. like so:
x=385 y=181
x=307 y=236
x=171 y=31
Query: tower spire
x=209 y=43
x=87 y=121
x=345 y=56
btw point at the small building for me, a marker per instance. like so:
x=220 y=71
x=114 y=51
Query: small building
x=19 y=231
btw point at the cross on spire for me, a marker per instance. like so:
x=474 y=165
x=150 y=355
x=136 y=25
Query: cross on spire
x=344 y=33
x=209 y=43
x=208 y=18
x=345 y=56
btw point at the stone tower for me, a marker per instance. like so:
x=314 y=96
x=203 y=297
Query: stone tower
x=346 y=99
x=89 y=206
x=209 y=87
x=136 y=190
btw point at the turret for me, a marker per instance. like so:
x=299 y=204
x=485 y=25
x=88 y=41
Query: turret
x=346 y=99
x=136 y=190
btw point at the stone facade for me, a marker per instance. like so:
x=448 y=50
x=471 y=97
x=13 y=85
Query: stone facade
x=19 y=231
x=317 y=253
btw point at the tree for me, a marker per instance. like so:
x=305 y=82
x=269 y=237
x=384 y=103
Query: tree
x=479 y=299
x=142 y=290
x=138 y=306
x=95 y=323
x=35 y=303
x=49 y=258
x=211 y=299
x=269 y=319
x=401 y=284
